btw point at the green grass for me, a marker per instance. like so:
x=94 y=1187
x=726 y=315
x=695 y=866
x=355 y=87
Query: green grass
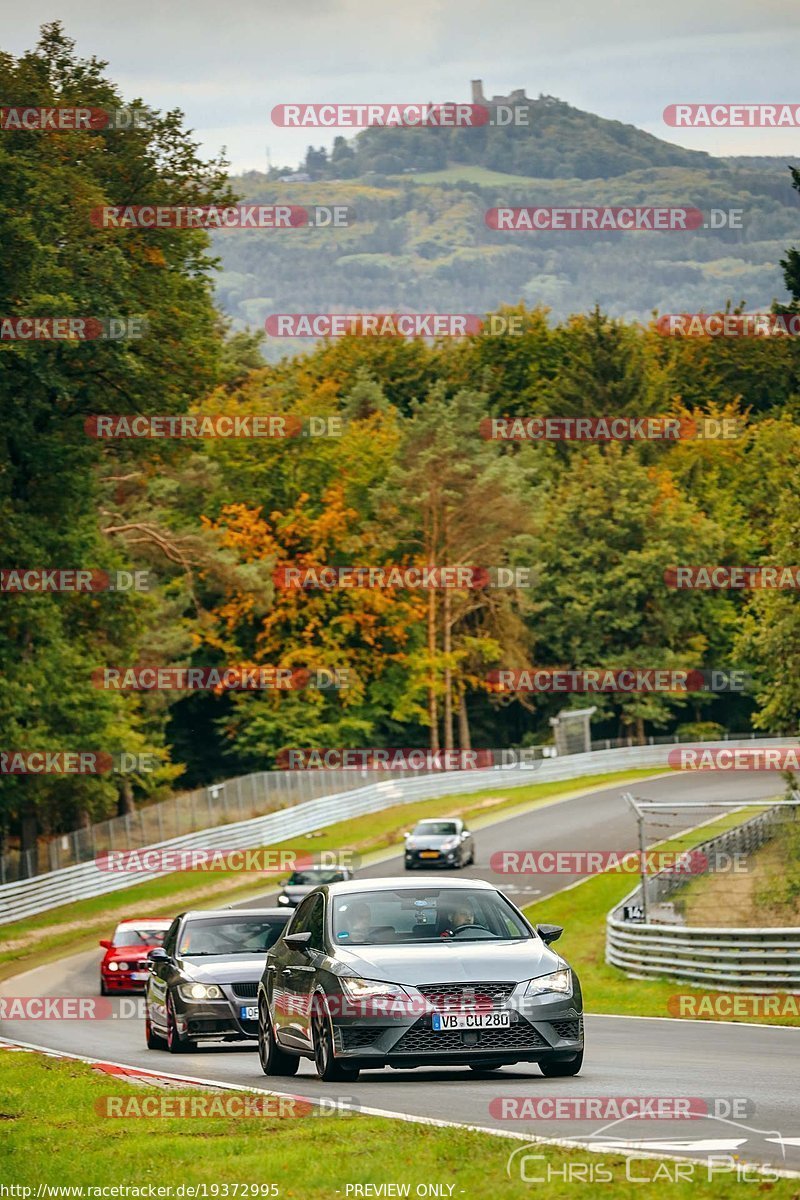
x=582 y=911
x=54 y=1135
x=65 y=930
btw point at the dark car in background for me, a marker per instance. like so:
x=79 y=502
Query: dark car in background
x=300 y=883
x=124 y=966
x=444 y=842
x=203 y=980
x=385 y=972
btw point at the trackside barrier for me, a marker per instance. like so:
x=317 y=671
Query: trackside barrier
x=728 y=959
x=30 y=896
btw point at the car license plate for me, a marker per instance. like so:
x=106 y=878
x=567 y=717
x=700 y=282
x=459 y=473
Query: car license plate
x=471 y=1020
x=139 y=975
x=248 y=1012
x=429 y=854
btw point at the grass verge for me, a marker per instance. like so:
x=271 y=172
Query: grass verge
x=54 y=1136
x=582 y=910
x=65 y=930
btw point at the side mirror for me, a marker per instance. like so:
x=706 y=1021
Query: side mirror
x=549 y=933
x=157 y=954
x=405 y=833
x=465 y=834
x=298 y=941
x=105 y=943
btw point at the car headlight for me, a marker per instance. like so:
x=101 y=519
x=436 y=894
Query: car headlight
x=199 y=991
x=113 y=966
x=369 y=989
x=558 y=981
x=283 y=899
x=450 y=845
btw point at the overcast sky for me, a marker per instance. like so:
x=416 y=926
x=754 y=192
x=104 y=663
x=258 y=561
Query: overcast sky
x=227 y=62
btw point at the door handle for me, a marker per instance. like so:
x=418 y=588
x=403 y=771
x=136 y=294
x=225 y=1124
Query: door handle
x=286 y=971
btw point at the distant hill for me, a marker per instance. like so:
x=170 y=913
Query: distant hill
x=420 y=241
x=558 y=142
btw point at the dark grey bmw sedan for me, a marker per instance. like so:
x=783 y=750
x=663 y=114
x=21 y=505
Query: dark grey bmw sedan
x=386 y=973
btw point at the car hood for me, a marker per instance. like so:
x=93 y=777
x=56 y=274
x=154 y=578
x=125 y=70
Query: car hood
x=430 y=841
x=127 y=954
x=219 y=969
x=448 y=960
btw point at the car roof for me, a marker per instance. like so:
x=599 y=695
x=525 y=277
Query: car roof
x=136 y=923
x=398 y=882
x=236 y=912
x=438 y=821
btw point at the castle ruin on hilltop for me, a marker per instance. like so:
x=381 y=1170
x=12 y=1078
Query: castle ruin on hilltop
x=516 y=97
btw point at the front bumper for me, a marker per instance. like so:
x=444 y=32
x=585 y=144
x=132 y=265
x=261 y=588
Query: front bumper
x=214 y=1020
x=540 y=1029
x=123 y=981
x=414 y=858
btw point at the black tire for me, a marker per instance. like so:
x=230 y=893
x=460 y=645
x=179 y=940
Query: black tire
x=175 y=1043
x=154 y=1042
x=328 y=1068
x=274 y=1061
x=103 y=988
x=556 y=1069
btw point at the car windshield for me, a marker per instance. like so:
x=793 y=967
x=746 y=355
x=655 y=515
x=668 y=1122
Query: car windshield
x=229 y=935
x=435 y=829
x=143 y=935
x=408 y=915
x=312 y=878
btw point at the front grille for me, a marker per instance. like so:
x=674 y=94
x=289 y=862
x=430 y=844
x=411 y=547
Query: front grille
x=421 y=1038
x=247 y=990
x=568 y=1029
x=209 y=1026
x=455 y=997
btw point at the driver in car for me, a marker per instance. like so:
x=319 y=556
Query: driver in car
x=460 y=914
x=358 y=920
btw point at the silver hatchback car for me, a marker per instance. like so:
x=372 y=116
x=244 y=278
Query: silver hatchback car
x=385 y=972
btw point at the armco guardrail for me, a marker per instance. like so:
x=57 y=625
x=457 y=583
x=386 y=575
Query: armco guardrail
x=238 y=799
x=728 y=959
x=43 y=892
